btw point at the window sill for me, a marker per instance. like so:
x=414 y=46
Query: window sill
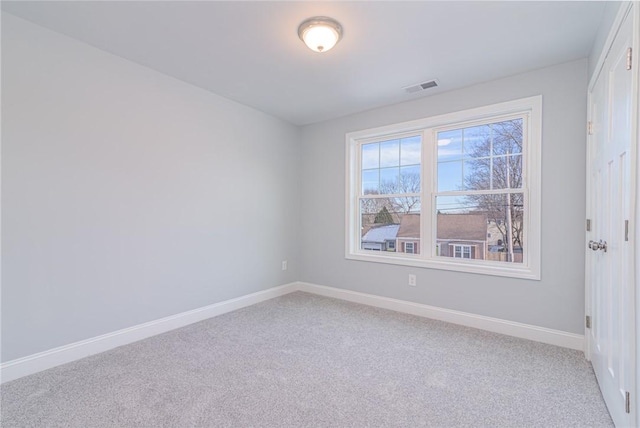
x=477 y=267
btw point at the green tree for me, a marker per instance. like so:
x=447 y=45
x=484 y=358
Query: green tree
x=383 y=216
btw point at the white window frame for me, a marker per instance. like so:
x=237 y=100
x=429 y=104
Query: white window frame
x=528 y=108
x=462 y=248
x=413 y=247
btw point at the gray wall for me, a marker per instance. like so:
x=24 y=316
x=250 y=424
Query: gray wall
x=128 y=195
x=557 y=301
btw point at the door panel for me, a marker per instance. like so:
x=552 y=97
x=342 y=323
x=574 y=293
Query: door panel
x=612 y=334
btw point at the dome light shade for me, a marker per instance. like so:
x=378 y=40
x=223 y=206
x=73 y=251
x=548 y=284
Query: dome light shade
x=320 y=33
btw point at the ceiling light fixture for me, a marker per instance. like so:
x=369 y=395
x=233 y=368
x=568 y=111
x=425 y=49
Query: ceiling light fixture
x=320 y=33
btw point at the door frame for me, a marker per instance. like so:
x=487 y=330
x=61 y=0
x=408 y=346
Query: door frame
x=634 y=232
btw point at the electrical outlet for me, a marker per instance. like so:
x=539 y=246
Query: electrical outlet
x=284 y=265
x=412 y=280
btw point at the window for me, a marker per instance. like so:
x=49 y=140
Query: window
x=462 y=251
x=459 y=191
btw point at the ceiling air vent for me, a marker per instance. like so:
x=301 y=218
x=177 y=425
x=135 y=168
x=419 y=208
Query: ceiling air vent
x=420 y=86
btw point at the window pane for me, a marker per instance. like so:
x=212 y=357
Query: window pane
x=370 y=156
x=449 y=176
x=408 y=205
x=477 y=174
x=370 y=182
x=389 y=180
x=388 y=224
x=455 y=205
x=505 y=223
x=486 y=224
x=507 y=172
x=459 y=225
x=410 y=151
x=450 y=145
x=408 y=240
x=410 y=179
x=507 y=137
x=515 y=168
x=376 y=211
x=390 y=153
x=477 y=141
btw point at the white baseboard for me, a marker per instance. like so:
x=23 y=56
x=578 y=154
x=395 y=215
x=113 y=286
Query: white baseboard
x=496 y=325
x=31 y=364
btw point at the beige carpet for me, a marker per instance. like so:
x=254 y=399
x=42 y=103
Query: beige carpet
x=303 y=360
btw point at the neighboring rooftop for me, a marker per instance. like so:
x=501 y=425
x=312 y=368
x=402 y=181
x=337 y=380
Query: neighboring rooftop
x=409 y=226
x=462 y=227
x=382 y=233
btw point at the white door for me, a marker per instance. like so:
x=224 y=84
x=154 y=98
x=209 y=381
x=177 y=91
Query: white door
x=610 y=268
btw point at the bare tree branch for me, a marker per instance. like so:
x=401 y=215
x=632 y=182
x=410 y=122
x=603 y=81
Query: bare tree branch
x=496 y=163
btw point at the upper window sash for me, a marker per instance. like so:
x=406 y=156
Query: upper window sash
x=378 y=160
x=465 y=157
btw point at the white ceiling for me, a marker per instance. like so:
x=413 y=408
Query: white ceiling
x=250 y=51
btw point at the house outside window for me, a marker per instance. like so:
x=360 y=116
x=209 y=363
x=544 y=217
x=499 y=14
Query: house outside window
x=380 y=237
x=469 y=180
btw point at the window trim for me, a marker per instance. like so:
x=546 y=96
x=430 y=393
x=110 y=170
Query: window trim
x=530 y=107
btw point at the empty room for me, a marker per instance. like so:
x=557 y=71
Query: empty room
x=319 y=214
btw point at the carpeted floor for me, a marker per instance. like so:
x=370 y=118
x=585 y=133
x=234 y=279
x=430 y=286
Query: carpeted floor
x=303 y=360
